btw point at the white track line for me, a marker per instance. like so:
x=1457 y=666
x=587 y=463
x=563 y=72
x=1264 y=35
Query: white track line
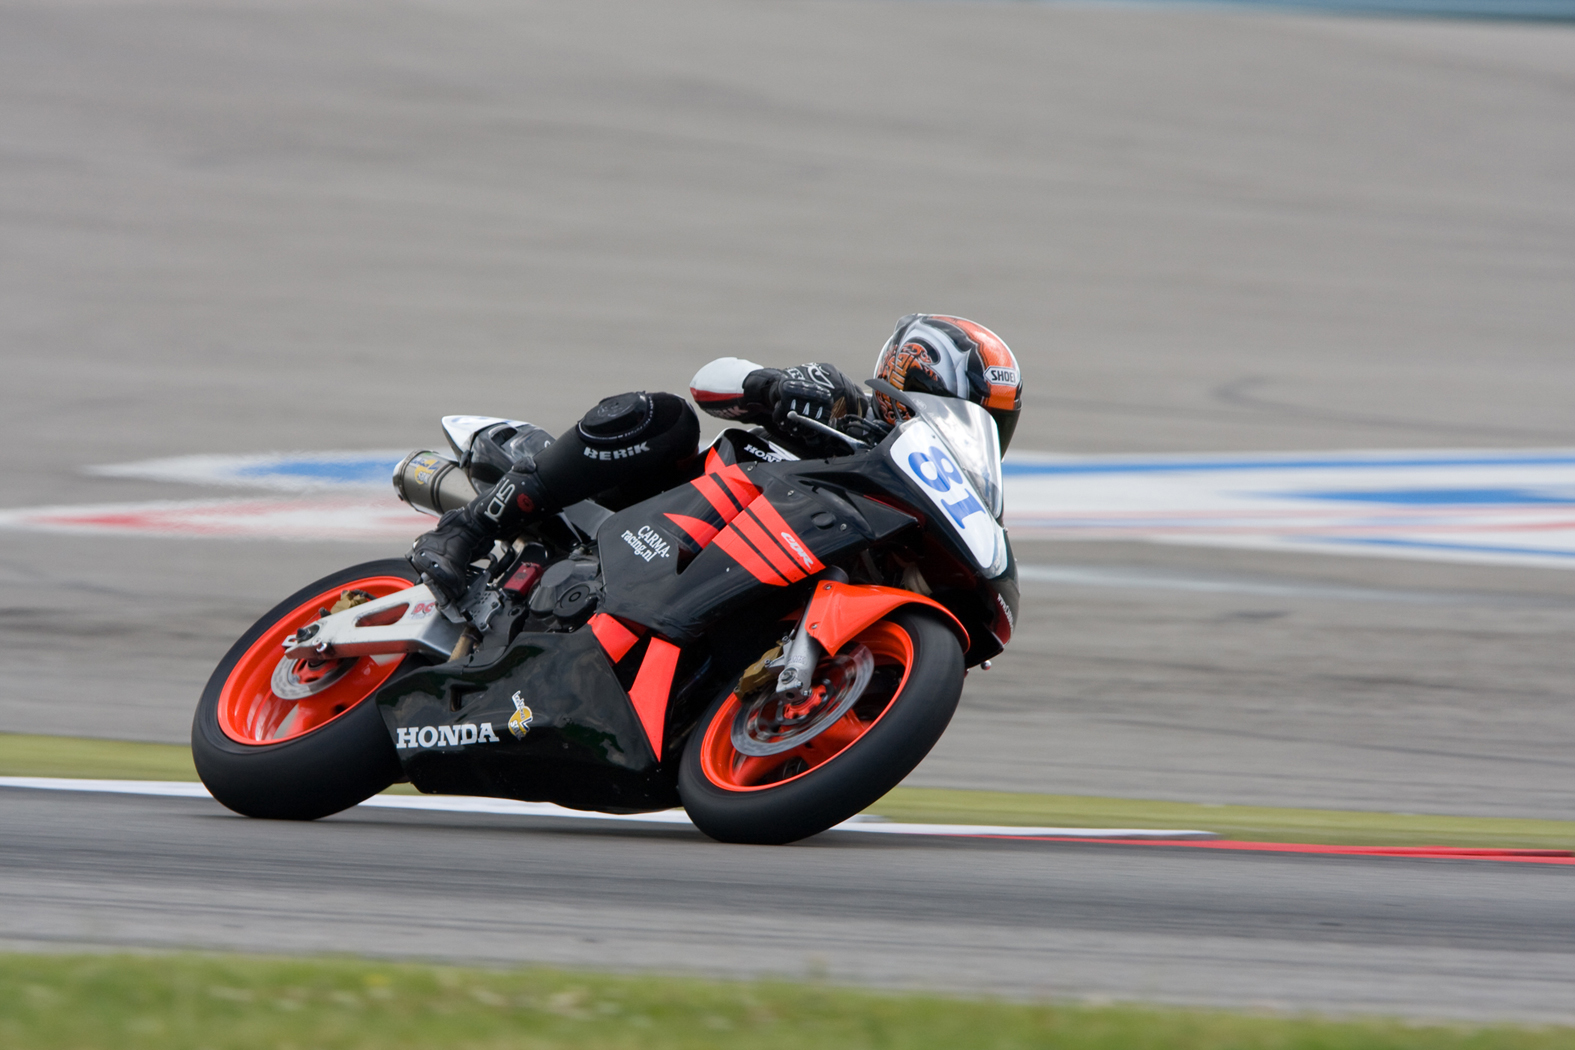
x=509 y=807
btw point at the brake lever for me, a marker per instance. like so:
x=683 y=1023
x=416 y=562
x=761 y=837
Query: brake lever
x=814 y=424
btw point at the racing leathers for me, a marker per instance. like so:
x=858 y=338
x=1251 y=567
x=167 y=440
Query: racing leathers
x=630 y=447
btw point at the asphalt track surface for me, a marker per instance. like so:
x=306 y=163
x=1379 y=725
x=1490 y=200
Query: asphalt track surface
x=256 y=226
x=1468 y=939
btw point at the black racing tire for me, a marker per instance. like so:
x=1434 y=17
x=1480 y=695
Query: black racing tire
x=346 y=760
x=823 y=795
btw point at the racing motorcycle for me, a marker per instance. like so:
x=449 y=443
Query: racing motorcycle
x=773 y=645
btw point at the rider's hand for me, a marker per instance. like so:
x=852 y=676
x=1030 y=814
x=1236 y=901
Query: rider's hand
x=808 y=399
x=814 y=390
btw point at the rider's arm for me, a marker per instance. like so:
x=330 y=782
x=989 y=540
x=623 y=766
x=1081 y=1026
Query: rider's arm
x=733 y=388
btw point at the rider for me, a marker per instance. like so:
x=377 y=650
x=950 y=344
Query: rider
x=640 y=444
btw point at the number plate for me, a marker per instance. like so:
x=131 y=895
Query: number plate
x=921 y=455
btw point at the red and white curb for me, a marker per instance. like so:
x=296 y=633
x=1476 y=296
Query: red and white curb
x=509 y=807
x=1492 y=506
x=1495 y=506
x=302 y=518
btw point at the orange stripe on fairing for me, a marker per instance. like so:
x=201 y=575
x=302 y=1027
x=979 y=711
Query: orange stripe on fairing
x=715 y=495
x=738 y=484
x=750 y=528
x=714 y=461
x=731 y=542
x=615 y=638
x=651 y=688
x=785 y=536
x=702 y=532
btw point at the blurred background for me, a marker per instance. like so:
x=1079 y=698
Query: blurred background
x=259 y=226
x=1289 y=283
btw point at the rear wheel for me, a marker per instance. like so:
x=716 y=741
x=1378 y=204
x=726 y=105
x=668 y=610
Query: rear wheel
x=291 y=739
x=759 y=770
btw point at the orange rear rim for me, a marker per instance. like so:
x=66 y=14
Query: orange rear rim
x=726 y=767
x=249 y=710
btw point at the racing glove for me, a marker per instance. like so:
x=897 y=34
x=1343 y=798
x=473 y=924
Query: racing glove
x=815 y=391
x=735 y=388
x=808 y=399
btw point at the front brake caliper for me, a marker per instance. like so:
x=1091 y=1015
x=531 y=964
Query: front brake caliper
x=760 y=672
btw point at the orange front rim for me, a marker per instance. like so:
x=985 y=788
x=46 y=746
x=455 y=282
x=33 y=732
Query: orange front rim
x=726 y=767
x=249 y=710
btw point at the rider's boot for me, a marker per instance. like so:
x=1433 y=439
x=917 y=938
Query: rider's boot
x=442 y=555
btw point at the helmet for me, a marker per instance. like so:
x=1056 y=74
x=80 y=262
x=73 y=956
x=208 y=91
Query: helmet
x=953 y=357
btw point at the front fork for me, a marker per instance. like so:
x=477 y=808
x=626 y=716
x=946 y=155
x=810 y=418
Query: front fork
x=802 y=651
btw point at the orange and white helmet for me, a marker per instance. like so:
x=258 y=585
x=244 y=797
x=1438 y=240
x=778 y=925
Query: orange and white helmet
x=952 y=357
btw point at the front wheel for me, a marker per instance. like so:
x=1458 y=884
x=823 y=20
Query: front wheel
x=760 y=771
x=295 y=740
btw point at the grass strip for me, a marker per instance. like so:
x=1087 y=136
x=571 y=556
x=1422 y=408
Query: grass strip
x=165 y=1002
x=57 y=756
x=29 y=755
x=1255 y=823
x=32 y=755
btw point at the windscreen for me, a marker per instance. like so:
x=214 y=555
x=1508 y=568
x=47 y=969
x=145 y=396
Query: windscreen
x=970 y=433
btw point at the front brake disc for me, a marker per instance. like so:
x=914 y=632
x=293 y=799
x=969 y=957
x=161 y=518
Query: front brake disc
x=769 y=725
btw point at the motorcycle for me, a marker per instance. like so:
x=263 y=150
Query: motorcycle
x=773 y=645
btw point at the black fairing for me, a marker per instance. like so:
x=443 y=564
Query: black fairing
x=585 y=746
x=682 y=590
x=988 y=610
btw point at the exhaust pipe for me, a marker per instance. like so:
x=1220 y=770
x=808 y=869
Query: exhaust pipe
x=433 y=483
